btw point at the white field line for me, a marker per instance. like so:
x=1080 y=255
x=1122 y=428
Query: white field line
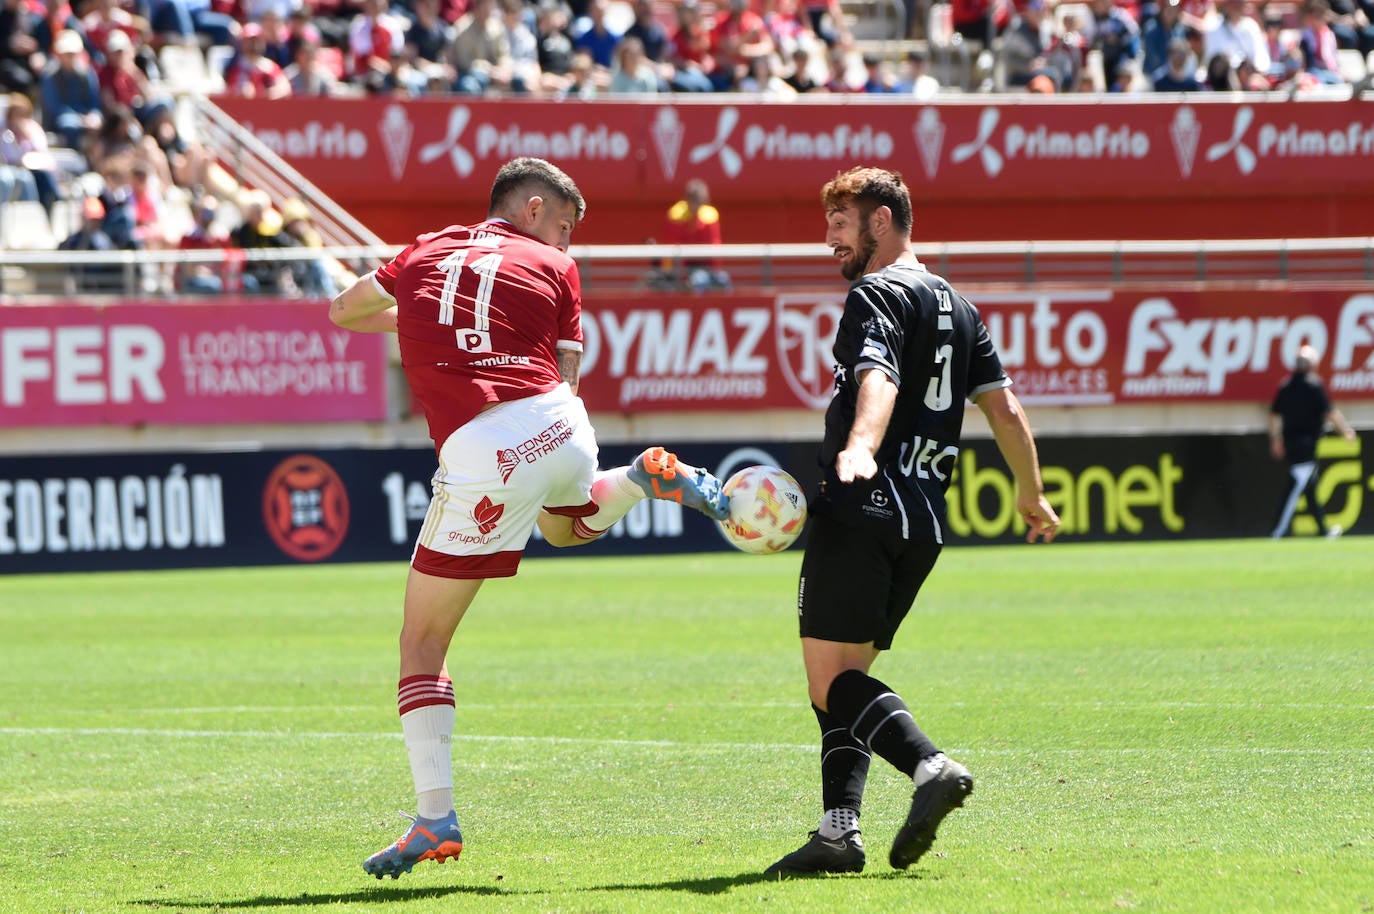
x=737 y=705
x=633 y=743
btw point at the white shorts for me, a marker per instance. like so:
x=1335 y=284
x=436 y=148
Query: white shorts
x=496 y=473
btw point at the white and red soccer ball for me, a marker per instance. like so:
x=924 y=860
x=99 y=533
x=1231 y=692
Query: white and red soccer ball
x=767 y=510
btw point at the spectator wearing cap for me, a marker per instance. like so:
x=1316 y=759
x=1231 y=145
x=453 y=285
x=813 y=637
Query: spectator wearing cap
x=69 y=93
x=104 y=18
x=250 y=74
x=91 y=236
x=1025 y=43
x=313 y=276
x=123 y=83
x=1179 y=72
x=1237 y=36
x=202 y=278
x=1158 y=33
x=261 y=228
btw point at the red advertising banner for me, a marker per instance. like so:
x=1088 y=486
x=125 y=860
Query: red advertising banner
x=221 y=361
x=1061 y=347
x=974 y=149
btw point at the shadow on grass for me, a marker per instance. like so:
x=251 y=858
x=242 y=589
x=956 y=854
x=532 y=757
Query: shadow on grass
x=711 y=885
x=307 y=898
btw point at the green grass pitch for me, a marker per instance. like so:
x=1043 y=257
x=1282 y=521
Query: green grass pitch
x=1153 y=727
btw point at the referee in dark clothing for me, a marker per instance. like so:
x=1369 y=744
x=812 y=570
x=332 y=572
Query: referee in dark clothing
x=1297 y=418
x=909 y=350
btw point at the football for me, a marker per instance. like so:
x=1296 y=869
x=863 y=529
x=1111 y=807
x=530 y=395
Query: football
x=767 y=510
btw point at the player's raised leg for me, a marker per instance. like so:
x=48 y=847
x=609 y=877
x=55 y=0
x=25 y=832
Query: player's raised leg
x=433 y=608
x=656 y=473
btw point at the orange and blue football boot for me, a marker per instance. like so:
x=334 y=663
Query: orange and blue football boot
x=427 y=839
x=661 y=475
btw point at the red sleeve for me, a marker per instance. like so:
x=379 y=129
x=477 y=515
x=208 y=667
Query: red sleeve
x=385 y=276
x=570 y=314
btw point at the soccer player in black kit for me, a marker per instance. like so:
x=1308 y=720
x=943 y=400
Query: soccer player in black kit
x=1297 y=418
x=909 y=350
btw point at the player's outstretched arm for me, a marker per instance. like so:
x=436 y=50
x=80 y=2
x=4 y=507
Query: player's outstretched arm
x=872 y=413
x=1012 y=432
x=364 y=307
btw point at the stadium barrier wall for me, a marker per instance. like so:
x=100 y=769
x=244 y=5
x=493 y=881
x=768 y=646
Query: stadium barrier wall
x=63 y=513
x=229 y=361
x=980 y=168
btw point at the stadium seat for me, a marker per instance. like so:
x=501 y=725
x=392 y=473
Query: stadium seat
x=217 y=57
x=1351 y=63
x=24 y=226
x=184 y=69
x=948 y=52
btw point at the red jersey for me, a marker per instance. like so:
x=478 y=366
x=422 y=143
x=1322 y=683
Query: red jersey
x=479 y=312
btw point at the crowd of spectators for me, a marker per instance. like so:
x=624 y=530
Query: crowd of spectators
x=91 y=138
x=1171 y=45
x=86 y=80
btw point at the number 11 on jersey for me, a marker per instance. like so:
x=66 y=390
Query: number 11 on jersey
x=476 y=338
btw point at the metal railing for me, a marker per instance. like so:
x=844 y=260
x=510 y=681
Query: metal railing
x=26 y=274
x=254 y=164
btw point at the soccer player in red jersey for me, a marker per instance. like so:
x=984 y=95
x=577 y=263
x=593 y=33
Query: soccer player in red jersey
x=489 y=322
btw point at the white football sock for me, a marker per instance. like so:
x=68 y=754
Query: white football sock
x=929 y=768
x=615 y=494
x=429 y=743
x=836 y=823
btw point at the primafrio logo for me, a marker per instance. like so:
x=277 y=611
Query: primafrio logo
x=1094 y=142
x=458 y=154
x=979 y=145
x=1235 y=146
x=396 y=131
x=730 y=161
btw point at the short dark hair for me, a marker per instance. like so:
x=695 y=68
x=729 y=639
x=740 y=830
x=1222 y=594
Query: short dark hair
x=528 y=173
x=870 y=188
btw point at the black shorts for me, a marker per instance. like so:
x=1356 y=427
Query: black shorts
x=859 y=580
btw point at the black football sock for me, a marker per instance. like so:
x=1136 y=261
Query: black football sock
x=879 y=719
x=844 y=765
